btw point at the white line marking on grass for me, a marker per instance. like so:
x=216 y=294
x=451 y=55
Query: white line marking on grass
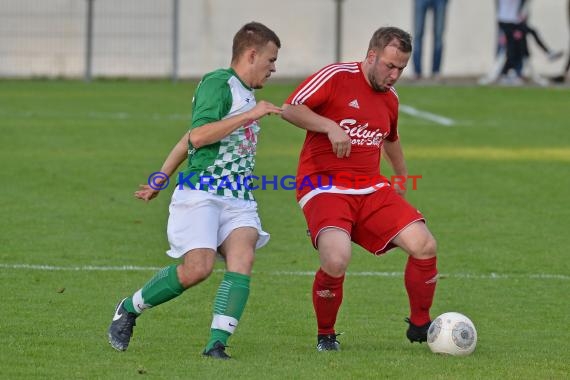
x=94 y=268
x=85 y=268
x=442 y=120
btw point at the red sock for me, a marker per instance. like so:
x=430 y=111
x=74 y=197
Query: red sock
x=420 y=279
x=327 y=297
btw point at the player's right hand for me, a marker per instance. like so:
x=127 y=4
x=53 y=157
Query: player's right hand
x=264 y=108
x=146 y=193
x=340 y=141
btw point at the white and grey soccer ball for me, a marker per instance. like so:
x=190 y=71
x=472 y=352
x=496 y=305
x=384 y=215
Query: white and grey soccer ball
x=452 y=334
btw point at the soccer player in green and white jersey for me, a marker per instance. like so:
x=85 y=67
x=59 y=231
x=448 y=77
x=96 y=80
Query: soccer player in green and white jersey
x=211 y=211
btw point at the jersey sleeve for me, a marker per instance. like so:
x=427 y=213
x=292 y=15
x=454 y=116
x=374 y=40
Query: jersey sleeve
x=313 y=91
x=212 y=101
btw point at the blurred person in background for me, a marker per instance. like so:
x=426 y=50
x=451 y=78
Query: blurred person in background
x=528 y=69
x=512 y=58
x=510 y=16
x=564 y=75
x=438 y=9
x=552 y=55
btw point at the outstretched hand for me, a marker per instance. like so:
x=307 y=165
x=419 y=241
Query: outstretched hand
x=264 y=108
x=146 y=193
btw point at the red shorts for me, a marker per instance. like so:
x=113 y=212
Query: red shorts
x=371 y=220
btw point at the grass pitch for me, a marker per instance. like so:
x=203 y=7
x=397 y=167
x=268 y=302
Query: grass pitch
x=494 y=189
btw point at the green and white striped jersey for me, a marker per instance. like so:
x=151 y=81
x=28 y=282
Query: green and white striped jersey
x=223 y=167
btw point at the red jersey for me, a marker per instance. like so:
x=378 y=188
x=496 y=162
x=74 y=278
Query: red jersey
x=341 y=93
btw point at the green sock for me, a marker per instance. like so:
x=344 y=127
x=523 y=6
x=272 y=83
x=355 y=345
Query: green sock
x=161 y=288
x=228 y=307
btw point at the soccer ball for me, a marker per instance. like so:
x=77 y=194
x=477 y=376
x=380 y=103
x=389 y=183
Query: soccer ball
x=452 y=334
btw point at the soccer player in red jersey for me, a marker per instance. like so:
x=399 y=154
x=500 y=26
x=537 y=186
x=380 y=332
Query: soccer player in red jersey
x=350 y=113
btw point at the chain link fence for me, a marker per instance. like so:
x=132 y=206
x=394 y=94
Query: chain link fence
x=185 y=38
x=86 y=38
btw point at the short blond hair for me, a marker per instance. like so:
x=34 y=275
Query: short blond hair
x=253 y=34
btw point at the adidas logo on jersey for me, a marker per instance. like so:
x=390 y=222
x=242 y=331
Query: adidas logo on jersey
x=354 y=104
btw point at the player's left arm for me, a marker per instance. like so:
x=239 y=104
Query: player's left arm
x=395 y=155
x=174 y=159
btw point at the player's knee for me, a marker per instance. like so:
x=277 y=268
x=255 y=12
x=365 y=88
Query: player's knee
x=430 y=248
x=335 y=266
x=427 y=249
x=242 y=263
x=192 y=275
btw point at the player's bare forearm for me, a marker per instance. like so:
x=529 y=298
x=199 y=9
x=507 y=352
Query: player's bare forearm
x=305 y=118
x=213 y=132
x=395 y=155
x=176 y=156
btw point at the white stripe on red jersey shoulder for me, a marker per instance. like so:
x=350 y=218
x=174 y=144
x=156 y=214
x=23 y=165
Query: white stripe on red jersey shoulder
x=395 y=92
x=321 y=77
